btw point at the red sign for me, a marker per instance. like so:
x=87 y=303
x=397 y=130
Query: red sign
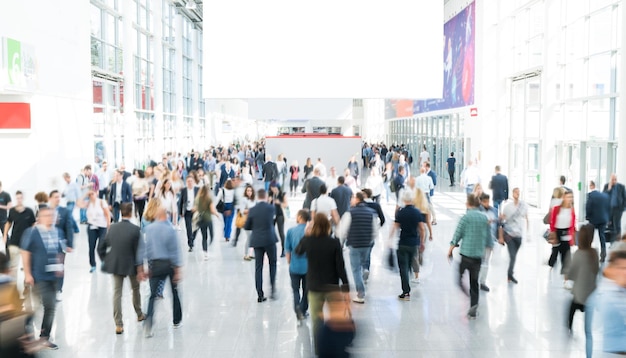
x=14 y=115
x=473 y=112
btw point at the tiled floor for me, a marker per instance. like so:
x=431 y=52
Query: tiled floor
x=222 y=318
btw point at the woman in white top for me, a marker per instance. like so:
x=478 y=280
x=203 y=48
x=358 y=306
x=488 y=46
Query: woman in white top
x=326 y=205
x=98 y=220
x=227 y=195
x=375 y=183
x=168 y=200
x=563 y=224
x=246 y=173
x=247 y=202
x=421 y=203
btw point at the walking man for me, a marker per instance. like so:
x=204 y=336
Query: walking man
x=120 y=193
x=451 y=166
x=617 y=200
x=513 y=215
x=432 y=176
x=263 y=239
x=597 y=213
x=359 y=228
x=473 y=233
x=41 y=246
x=492 y=217
x=186 y=207
x=298 y=265
x=71 y=194
x=118 y=250
x=63 y=222
x=499 y=186
x=162 y=252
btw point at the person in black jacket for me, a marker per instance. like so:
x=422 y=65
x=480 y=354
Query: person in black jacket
x=499 y=186
x=312 y=189
x=263 y=239
x=186 y=208
x=597 y=213
x=118 y=251
x=617 y=203
x=326 y=272
x=270 y=172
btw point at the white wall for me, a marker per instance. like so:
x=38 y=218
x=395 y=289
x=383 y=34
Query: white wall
x=61 y=136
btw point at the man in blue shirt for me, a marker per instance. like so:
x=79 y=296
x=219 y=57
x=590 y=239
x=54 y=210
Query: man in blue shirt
x=162 y=252
x=298 y=265
x=451 y=165
x=41 y=246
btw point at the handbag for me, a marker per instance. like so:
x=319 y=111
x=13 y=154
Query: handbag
x=220 y=205
x=550 y=237
x=160 y=267
x=240 y=220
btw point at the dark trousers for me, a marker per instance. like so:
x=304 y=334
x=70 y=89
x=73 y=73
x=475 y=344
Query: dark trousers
x=473 y=266
x=405 y=255
x=191 y=235
x=102 y=194
x=616 y=224
x=300 y=303
x=451 y=173
x=61 y=278
x=601 y=228
x=572 y=309
x=564 y=249
x=46 y=291
x=116 y=212
x=70 y=208
x=280 y=225
x=154 y=287
x=140 y=205
x=270 y=251
x=204 y=225
x=293 y=185
x=94 y=235
x=513 y=246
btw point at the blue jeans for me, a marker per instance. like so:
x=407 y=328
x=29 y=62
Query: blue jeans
x=358 y=257
x=70 y=207
x=94 y=235
x=154 y=287
x=228 y=220
x=469 y=189
x=602 y=235
x=116 y=212
x=496 y=204
x=300 y=303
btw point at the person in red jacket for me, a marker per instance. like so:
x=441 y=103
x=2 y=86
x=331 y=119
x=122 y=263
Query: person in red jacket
x=563 y=224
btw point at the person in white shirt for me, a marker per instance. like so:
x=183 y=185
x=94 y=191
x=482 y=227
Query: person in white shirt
x=104 y=178
x=375 y=183
x=424 y=182
x=424 y=156
x=321 y=167
x=331 y=180
x=326 y=205
x=470 y=177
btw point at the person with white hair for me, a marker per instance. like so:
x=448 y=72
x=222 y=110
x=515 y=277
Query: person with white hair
x=410 y=221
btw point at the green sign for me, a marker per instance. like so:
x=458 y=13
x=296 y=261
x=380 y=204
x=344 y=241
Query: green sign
x=14 y=61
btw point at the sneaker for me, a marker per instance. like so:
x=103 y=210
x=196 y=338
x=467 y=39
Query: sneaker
x=513 y=280
x=92 y=269
x=190 y=249
x=59 y=296
x=148 y=332
x=46 y=344
x=206 y=256
x=261 y=299
x=405 y=296
x=568 y=285
x=247 y=258
x=358 y=300
x=366 y=275
x=178 y=325
x=484 y=287
x=415 y=280
x=119 y=330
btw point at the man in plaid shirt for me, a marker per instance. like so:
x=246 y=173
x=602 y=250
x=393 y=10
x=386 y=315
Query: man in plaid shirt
x=473 y=231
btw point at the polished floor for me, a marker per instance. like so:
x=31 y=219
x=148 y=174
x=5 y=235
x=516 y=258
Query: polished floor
x=221 y=317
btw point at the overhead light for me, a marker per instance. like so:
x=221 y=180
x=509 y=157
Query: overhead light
x=191 y=5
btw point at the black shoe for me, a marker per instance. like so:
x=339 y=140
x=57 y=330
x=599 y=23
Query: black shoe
x=405 y=296
x=484 y=288
x=190 y=249
x=261 y=299
x=473 y=312
x=282 y=255
x=512 y=279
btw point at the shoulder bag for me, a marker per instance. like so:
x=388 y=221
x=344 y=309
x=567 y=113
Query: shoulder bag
x=220 y=205
x=240 y=220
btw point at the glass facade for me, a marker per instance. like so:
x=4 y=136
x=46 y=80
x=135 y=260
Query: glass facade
x=164 y=110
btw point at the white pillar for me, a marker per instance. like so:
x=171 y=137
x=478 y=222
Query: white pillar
x=157 y=60
x=179 y=127
x=621 y=126
x=133 y=152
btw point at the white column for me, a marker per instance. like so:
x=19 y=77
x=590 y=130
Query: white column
x=157 y=60
x=178 y=83
x=133 y=152
x=621 y=134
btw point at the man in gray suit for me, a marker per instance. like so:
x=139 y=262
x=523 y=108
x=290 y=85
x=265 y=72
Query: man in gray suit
x=118 y=251
x=263 y=239
x=312 y=188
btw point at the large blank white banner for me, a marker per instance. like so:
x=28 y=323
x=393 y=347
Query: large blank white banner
x=323 y=49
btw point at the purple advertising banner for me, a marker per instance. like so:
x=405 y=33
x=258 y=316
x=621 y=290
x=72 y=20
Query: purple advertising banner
x=458 y=65
x=458 y=69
